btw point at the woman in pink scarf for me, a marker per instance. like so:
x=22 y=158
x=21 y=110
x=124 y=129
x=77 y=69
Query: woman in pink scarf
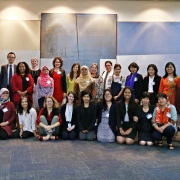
x=45 y=86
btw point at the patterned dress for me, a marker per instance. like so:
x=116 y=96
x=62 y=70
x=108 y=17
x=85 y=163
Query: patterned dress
x=99 y=87
x=168 y=86
x=104 y=132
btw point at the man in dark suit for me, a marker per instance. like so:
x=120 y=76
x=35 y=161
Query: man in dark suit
x=7 y=71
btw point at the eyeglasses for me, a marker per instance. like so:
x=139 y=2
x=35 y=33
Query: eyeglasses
x=107 y=95
x=45 y=69
x=11 y=57
x=5 y=93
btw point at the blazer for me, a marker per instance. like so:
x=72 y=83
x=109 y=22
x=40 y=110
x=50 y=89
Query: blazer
x=73 y=119
x=86 y=122
x=16 y=82
x=138 y=86
x=156 y=81
x=112 y=116
x=9 y=116
x=120 y=115
x=63 y=78
x=4 y=75
x=36 y=75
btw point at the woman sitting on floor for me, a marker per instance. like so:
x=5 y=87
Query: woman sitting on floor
x=164 y=120
x=69 y=118
x=49 y=120
x=106 y=131
x=144 y=121
x=27 y=119
x=127 y=112
x=86 y=114
x=7 y=115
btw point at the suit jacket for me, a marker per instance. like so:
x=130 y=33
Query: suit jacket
x=156 y=81
x=4 y=75
x=73 y=119
x=63 y=79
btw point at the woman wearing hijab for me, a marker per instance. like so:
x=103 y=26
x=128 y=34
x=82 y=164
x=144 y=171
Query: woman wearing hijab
x=84 y=83
x=7 y=115
x=45 y=86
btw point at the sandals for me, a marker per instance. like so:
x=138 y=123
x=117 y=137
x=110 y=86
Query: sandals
x=40 y=138
x=170 y=147
x=160 y=143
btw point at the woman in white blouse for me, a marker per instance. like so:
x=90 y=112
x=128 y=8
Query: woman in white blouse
x=27 y=119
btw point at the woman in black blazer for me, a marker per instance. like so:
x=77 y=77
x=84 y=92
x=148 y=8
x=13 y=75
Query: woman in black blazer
x=151 y=83
x=86 y=115
x=127 y=117
x=135 y=81
x=106 y=131
x=69 y=118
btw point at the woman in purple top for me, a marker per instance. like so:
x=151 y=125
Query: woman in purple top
x=45 y=86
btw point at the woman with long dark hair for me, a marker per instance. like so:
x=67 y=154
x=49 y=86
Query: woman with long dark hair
x=168 y=83
x=69 y=118
x=27 y=119
x=151 y=83
x=72 y=76
x=127 y=117
x=106 y=131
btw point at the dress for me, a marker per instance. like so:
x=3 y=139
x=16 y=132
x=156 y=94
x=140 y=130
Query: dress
x=104 y=132
x=58 y=92
x=168 y=86
x=145 y=126
x=70 y=83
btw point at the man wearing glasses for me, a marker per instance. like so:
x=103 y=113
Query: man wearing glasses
x=106 y=74
x=7 y=71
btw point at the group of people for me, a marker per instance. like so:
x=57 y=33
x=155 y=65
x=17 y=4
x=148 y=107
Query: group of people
x=109 y=107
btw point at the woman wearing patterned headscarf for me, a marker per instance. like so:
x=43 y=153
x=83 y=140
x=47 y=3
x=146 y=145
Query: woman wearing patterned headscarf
x=45 y=86
x=84 y=83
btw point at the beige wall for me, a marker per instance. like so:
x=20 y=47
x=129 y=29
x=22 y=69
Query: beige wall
x=20 y=20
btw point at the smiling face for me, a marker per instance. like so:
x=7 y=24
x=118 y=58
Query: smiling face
x=145 y=101
x=34 y=62
x=117 y=71
x=133 y=69
x=86 y=98
x=108 y=67
x=170 y=69
x=151 y=71
x=127 y=94
x=5 y=95
x=162 y=101
x=49 y=103
x=57 y=63
x=11 y=58
x=93 y=69
x=45 y=70
x=75 y=69
x=24 y=103
x=107 y=96
x=22 y=68
x=70 y=98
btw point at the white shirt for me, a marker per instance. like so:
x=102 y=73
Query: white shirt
x=28 y=120
x=126 y=118
x=151 y=83
x=8 y=72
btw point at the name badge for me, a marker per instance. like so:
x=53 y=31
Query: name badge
x=69 y=124
x=135 y=79
x=48 y=82
x=87 y=81
x=153 y=83
x=59 y=72
x=107 y=115
x=170 y=79
x=27 y=79
x=5 y=110
x=149 y=116
x=120 y=82
x=168 y=115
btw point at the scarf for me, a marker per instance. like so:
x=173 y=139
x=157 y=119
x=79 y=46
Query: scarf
x=84 y=81
x=130 y=80
x=161 y=117
x=44 y=79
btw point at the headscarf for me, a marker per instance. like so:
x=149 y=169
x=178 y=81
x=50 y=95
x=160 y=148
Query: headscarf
x=84 y=81
x=2 y=100
x=44 y=79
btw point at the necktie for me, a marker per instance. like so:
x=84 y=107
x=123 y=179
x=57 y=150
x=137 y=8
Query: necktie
x=10 y=73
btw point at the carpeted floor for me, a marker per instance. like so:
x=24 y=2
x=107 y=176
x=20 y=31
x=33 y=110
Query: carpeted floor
x=74 y=160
